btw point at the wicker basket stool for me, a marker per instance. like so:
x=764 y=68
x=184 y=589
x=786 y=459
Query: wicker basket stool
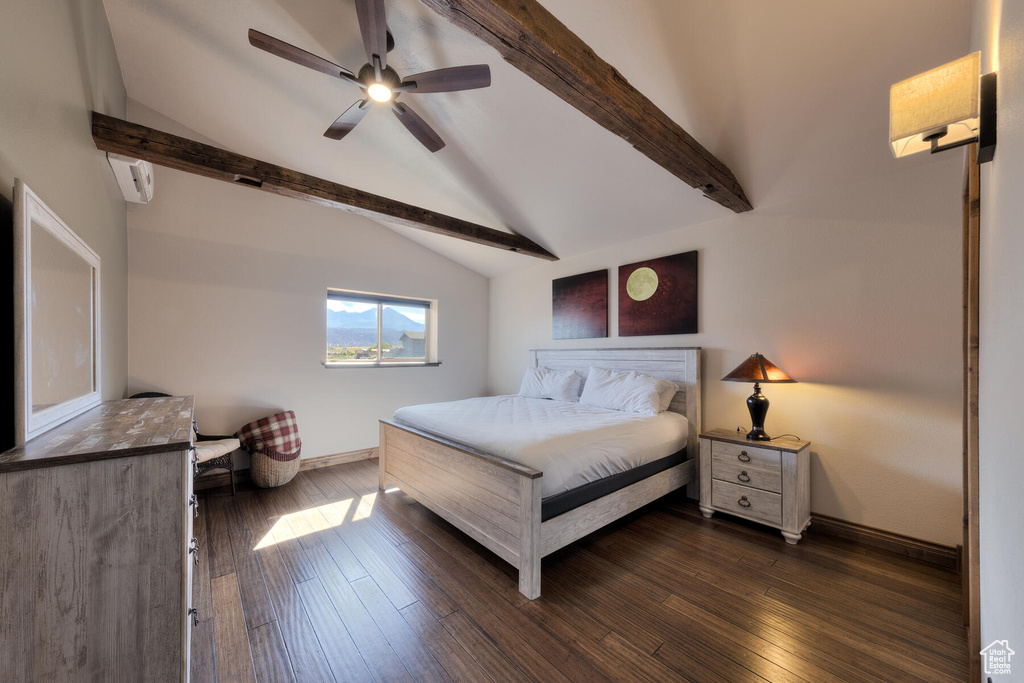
x=274 y=447
x=267 y=472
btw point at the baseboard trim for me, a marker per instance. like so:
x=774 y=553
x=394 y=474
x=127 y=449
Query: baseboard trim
x=933 y=553
x=337 y=459
x=222 y=477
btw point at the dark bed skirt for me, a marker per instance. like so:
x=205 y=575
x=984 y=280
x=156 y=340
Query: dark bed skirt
x=581 y=495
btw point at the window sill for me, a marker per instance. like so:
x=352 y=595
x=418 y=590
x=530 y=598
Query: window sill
x=390 y=364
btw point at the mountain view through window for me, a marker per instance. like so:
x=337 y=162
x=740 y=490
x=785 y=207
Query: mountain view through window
x=355 y=329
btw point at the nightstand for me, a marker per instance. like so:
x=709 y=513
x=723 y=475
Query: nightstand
x=763 y=481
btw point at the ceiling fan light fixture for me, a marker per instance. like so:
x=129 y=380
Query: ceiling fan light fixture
x=379 y=92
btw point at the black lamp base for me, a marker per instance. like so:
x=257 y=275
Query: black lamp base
x=757 y=404
x=758 y=435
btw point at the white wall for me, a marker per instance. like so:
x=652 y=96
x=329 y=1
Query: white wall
x=855 y=292
x=228 y=288
x=999 y=32
x=58 y=66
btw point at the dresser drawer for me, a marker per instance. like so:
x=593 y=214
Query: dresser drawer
x=747 y=474
x=742 y=454
x=746 y=501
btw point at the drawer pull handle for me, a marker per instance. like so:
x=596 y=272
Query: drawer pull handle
x=744 y=503
x=743 y=476
x=743 y=457
x=195 y=615
x=193 y=547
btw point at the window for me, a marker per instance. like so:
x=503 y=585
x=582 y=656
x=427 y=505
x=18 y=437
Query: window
x=369 y=329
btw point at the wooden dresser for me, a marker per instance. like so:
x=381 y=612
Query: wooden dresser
x=95 y=538
x=763 y=481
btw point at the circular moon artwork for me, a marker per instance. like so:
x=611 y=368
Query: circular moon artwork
x=642 y=284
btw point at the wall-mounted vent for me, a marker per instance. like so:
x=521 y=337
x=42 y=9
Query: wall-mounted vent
x=134 y=176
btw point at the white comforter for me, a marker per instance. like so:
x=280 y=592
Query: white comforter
x=571 y=444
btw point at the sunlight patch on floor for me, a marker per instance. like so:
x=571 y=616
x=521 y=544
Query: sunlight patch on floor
x=319 y=518
x=365 y=508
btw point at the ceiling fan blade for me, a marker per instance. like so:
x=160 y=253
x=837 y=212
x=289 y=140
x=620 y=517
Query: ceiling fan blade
x=297 y=55
x=451 y=79
x=374 y=28
x=348 y=120
x=417 y=126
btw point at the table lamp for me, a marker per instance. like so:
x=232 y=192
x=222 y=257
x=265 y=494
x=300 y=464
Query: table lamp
x=757 y=369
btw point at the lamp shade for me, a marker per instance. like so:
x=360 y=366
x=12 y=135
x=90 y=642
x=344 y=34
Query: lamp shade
x=943 y=103
x=757 y=368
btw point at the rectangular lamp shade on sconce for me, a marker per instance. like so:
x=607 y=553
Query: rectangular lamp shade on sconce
x=758 y=369
x=946 y=107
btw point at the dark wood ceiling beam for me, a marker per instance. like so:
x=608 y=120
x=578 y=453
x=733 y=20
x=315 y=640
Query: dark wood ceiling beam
x=130 y=139
x=531 y=39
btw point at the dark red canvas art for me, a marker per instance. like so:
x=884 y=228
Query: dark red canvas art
x=579 y=306
x=659 y=296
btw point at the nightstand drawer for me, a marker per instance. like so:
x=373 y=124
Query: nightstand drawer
x=747 y=501
x=763 y=458
x=747 y=474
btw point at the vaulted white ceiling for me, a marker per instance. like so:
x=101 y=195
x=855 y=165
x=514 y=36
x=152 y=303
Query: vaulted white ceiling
x=790 y=94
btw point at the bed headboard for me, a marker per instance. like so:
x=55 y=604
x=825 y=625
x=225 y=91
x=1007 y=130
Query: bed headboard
x=680 y=365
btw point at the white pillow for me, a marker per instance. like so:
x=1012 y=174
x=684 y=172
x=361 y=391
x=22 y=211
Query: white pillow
x=559 y=385
x=630 y=392
x=666 y=391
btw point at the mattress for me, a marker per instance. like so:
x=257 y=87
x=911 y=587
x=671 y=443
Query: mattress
x=572 y=444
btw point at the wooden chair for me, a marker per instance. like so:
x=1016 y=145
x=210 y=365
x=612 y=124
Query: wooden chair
x=213 y=451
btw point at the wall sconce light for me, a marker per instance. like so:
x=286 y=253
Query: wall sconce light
x=949 y=106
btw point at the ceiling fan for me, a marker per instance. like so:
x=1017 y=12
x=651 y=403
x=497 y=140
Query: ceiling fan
x=380 y=82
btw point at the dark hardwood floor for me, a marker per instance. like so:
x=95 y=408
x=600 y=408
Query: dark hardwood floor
x=324 y=579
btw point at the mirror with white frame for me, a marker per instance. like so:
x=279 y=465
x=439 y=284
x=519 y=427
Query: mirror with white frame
x=57 y=319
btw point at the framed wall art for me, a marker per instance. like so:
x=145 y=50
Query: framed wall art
x=579 y=306
x=659 y=296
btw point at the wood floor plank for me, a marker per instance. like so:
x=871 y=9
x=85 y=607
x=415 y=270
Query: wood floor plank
x=510 y=643
x=803 y=643
x=627 y=604
x=686 y=645
x=269 y=655
x=589 y=648
x=650 y=669
x=203 y=660
x=753 y=580
x=455 y=659
x=377 y=653
x=278 y=533
x=341 y=521
x=342 y=654
x=302 y=518
x=382 y=543
x=335 y=488
x=500 y=577
x=383 y=589
x=552 y=654
x=231 y=641
x=418 y=660
x=307 y=657
x=724 y=633
x=221 y=562
x=255 y=598
x=487 y=654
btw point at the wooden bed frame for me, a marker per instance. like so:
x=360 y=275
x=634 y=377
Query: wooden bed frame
x=497 y=502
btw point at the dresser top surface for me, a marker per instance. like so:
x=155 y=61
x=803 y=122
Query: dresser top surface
x=113 y=429
x=783 y=443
